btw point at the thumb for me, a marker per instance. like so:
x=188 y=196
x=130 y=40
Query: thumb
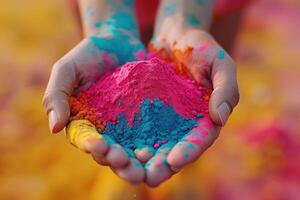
x=225 y=95
x=56 y=97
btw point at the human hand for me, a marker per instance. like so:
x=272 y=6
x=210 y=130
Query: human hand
x=194 y=53
x=78 y=69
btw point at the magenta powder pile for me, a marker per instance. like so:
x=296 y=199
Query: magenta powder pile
x=142 y=103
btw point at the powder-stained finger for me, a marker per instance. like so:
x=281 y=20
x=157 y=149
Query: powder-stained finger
x=100 y=159
x=133 y=172
x=225 y=95
x=157 y=168
x=81 y=132
x=192 y=145
x=144 y=154
x=116 y=156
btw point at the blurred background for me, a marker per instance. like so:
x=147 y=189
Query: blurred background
x=256 y=157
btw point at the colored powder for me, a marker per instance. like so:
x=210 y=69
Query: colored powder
x=142 y=103
x=125 y=52
x=221 y=54
x=154 y=125
x=192 y=20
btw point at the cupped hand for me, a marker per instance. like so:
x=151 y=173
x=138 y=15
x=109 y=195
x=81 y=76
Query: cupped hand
x=78 y=69
x=196 y=54
x=84 y=135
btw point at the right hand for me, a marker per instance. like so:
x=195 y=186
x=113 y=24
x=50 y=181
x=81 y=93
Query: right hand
x=196 y=54
x=78 y=69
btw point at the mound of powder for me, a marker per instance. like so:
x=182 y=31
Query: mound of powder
x=153 y=126
x=143 y=103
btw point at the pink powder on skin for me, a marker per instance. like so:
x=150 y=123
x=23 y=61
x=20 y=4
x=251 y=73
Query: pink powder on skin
x=123 y=90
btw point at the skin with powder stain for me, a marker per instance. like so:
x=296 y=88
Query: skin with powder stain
x=144 y=154
x=181 y=38
x=111 y=39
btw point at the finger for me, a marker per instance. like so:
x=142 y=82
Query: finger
x=95 y=148
x=129 y=152
x=134 y=172
x=192 y=145
x=84 y=135
x=100 y=159
x=59 y=88
x=157 y=168
x=144 y=154
x=225 y=95
x=116 y=156
x=98 y=150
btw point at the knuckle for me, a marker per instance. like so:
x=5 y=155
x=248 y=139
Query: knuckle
x=231 y=93
x=232 y=63
x=58 y=64
x=236 y=96
x=46 y=100
x=229 y=61
x=62 y=65
x=52 y=95
x=65 y=67
x=96 y=159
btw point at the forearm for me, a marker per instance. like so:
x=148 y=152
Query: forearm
x=180 y=15
x=102 y=16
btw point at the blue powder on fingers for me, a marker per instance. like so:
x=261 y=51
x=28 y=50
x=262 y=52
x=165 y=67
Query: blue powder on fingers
x=153 y=126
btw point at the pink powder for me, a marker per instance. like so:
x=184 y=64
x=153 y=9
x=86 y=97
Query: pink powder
x=124 y=89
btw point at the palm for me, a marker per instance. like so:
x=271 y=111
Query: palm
x=194 y=54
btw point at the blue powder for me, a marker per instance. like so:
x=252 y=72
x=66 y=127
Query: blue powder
x=200 y=2
x=122 y=17
x=97 y=24
x=170 y=8
x=155 y=122
x=121 y=20
x=122 y=27
x=124 y=52
x=221 y=54
x=192 y=20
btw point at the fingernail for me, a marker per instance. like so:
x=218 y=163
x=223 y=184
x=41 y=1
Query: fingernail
x=224 y=112
x=52 y=120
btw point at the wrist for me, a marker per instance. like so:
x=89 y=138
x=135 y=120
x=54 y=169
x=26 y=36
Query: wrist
x=109 y=17
x=172 y=29
x=179 y=16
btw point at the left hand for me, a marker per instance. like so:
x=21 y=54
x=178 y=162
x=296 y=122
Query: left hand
x=196 y=54
x=85 y=63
